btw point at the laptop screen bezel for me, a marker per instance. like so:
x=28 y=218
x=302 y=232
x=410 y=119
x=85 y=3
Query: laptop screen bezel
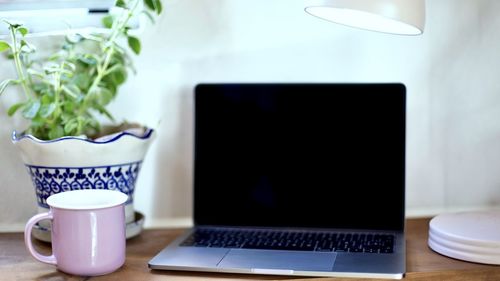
x=204 y=88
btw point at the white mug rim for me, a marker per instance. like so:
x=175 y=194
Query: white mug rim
x=86 y=199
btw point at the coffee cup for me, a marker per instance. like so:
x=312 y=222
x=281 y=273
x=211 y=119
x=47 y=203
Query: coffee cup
x=88 y=231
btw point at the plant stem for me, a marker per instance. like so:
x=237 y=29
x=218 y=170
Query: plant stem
x=18 y=63
x=58 y=87
x=116 y=30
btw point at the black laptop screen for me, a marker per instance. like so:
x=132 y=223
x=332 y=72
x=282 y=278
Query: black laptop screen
x=300 y=155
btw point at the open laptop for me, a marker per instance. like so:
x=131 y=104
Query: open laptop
x=296 y=179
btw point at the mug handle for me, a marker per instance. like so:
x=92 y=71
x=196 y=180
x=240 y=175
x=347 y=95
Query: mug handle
x=27 y=238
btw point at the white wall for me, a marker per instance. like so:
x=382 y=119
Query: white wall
x=451 y=73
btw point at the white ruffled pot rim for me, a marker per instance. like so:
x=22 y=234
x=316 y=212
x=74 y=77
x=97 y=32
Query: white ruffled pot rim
x=69 y=163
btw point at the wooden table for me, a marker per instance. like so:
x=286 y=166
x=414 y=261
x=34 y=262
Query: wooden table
x=422 y=263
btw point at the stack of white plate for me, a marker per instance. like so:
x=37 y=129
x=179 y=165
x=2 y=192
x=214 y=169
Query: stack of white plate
x=469 y=236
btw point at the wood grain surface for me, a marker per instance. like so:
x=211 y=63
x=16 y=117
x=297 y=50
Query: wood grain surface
x=422 y=263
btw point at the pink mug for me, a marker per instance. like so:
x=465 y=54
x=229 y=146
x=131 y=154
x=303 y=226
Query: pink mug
x=88 y=231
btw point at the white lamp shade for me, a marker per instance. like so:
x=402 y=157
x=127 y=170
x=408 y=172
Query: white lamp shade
x=405 y=17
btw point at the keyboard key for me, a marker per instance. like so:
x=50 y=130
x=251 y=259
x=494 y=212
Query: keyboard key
x=292 y=240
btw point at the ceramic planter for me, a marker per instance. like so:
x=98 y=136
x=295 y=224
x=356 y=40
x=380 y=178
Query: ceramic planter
x=71 y=163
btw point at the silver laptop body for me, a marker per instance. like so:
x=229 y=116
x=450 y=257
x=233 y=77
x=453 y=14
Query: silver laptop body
x=296 y=179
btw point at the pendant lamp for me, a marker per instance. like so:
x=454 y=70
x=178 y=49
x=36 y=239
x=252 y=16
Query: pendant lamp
x=403 y=17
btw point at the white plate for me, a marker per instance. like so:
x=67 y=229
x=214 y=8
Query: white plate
x=133 y=229
x=457 y=251
x=473 y=228
x=469 y=236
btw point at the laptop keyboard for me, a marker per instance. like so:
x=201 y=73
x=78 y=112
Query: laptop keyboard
x=292 y=240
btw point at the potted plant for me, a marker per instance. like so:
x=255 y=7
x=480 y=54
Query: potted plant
x=65 y=146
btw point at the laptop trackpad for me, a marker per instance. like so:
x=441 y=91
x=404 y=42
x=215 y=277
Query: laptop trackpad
x=285 y=260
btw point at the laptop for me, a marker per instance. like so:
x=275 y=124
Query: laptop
x=296 y=179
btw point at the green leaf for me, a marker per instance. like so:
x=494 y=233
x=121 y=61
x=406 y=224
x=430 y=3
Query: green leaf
x=150 y=4
x=158 y=6
x=46 y=99
x=72 y=91
x=56 y=56
x=69 y=66
x=48 y=90
x=4 y=46
x=57 y=112
x=56 y=132
x=88 y=59
x=46 y=110
x=116 y=75
x=93 y=37
x=31 y=109
x=70 y=126
x=120 y=76
x=103 y=110
x=35 y=73
x=5 y=83
x=14 y=108
x=154 y=5
x=82 y=80
x=66 y=74
x=23 y=30
x=134 y=44
x=51 y=68
x=37 y=122
x=107 y=21
x=65 y=117
x=43 y=88
x=104 y=96
x=121 y=4
x=119 y=56
x=109 y=83
x=27 y=47
x=25 y=59
x=113 y=68
x=126 y=29
x=12 y=24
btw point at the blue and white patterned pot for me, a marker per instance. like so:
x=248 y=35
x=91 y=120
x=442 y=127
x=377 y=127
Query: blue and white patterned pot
x=71 y=163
